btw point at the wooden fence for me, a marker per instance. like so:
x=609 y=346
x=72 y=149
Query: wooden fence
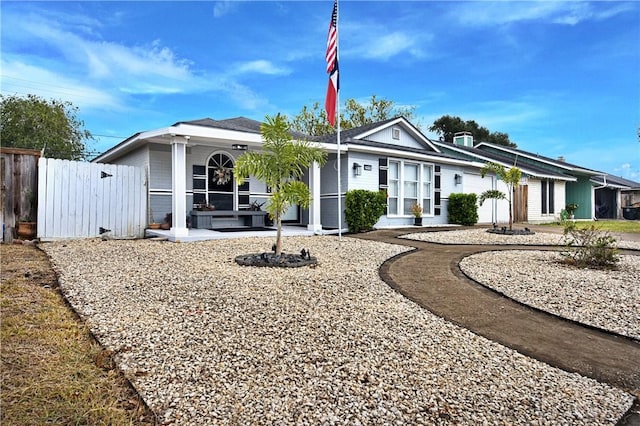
x=520 y=203
x=18 y=180
x=80 y=200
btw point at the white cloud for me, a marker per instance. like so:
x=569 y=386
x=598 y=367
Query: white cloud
x=558 y=12
x=20 y=78
x=626 y=170
x=380 y=45
x=98 y=73
x=500 y=115
x=261 y=66
x=221 y=8
x=388 y=45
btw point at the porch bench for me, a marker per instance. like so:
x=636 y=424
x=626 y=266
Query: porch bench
x=216 y=219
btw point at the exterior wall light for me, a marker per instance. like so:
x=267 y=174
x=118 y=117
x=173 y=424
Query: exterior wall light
x=357 y=169
x=457 y=179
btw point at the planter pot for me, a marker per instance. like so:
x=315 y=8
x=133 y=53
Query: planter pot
x=154 y=226
x=27 y=230
x=417 y=221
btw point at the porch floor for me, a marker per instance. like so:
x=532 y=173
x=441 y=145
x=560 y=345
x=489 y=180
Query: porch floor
x=207 y=234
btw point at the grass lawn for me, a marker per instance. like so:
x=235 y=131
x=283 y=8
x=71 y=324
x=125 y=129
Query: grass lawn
x=53 y=371
x=631 y=226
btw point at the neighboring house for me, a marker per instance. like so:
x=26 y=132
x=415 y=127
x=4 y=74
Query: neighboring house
x=541 y=194
x=613 y=194
x=548 y=185
x=191 y=162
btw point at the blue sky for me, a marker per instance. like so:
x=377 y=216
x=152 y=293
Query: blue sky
x=561 y=78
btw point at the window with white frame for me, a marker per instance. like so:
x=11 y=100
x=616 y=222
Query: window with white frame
x=427 y=189
x=409 y=183
x=547 y=201
x=393 y=189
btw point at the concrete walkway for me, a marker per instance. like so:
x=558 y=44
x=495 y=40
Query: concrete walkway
x=430 y=276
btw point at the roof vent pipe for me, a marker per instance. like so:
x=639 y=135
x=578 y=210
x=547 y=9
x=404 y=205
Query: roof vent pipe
x=561 y=159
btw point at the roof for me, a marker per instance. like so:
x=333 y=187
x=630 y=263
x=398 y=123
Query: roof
x=481 y=154
x=616 y=181
x=359 y=135
x=542 y=158
x=241 y=124
x=403 y=149
x=353 y=132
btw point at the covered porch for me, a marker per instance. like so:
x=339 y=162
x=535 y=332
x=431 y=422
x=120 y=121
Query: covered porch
x=207 y=234
x=191 y=181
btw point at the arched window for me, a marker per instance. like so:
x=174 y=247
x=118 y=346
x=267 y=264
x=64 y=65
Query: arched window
x=220 y=182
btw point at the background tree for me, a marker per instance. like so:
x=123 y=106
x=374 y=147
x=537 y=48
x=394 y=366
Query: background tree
x=280 y=163
x=510 y=177
x=446 y=126
x=313 y=121
x=34 y=123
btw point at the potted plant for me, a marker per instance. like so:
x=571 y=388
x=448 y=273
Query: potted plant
x=416 y=209
x=27 y=228
x=571 y=209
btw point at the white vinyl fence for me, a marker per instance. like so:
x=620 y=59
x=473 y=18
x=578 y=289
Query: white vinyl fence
x=81 y=200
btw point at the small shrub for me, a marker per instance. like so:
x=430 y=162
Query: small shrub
x=589 y=247
x=463 y=209
x=564 y=216
x=364 y=208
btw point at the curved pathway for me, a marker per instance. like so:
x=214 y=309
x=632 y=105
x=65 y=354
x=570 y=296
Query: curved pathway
x=430 y=276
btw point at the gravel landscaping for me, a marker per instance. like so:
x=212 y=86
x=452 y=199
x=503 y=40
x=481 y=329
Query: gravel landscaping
x=605 y=299
x=206 y=341
x=481 y=236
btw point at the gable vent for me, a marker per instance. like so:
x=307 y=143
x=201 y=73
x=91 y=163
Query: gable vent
x=395 y=133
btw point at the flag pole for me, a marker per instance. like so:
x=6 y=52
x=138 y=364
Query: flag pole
x=338 y=127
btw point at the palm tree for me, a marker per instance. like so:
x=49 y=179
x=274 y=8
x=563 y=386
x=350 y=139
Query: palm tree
x=280 y=164
x=510 y=177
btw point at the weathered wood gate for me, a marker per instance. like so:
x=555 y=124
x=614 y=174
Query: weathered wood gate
x=520 y=203
x=79 y=200
x=18 y=182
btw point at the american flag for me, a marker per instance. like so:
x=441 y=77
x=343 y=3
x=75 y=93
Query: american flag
x=332 y=66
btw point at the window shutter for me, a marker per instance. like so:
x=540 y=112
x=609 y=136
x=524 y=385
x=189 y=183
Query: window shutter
x=383 y=177
x=551 y=201
x=544 y=196
x=199 y=185
x=437 y=208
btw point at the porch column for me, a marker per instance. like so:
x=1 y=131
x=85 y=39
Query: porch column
x=314 y=209
x=179 y=186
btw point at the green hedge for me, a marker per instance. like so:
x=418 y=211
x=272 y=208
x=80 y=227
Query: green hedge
x=364 y=208
x=463 y=209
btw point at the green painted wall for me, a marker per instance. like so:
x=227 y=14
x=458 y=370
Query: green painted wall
x=579 y=192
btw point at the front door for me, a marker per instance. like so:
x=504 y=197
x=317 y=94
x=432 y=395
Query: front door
x=220 y=182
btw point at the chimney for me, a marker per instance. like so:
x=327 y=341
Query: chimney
x=463 y=139
x=561 y=159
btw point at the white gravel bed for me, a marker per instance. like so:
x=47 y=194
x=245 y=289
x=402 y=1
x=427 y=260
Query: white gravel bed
x=481 y=236
x=606 y=299
x=206 y=341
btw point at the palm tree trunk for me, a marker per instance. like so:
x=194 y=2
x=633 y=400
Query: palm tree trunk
x=510 y=217
x=278 y=235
